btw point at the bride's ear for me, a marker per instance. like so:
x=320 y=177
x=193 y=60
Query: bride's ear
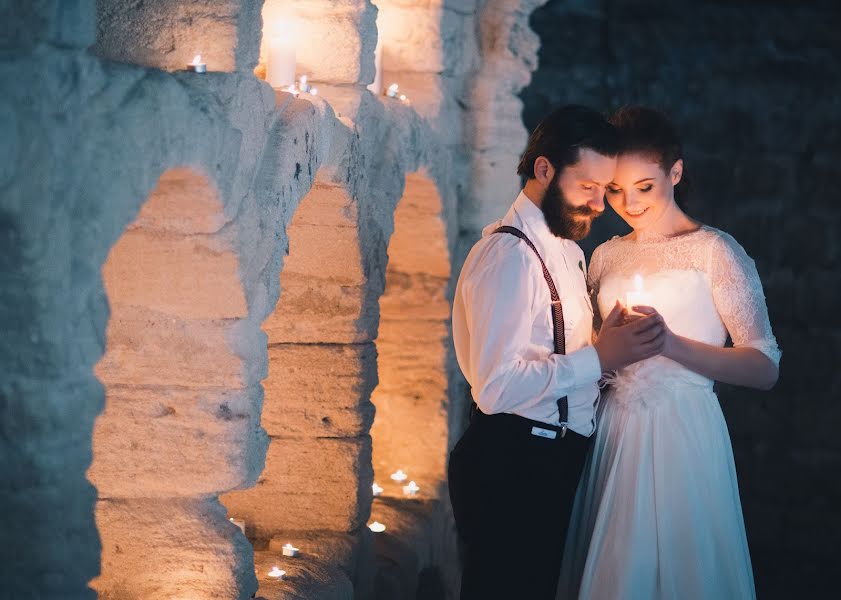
x=676 y=173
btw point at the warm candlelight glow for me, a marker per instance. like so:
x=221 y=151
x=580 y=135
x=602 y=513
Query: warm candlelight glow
x=399 y=476
x=411 y=489
x=376 y=527
x=197 y=66
x=281 y=62
x=638 y=296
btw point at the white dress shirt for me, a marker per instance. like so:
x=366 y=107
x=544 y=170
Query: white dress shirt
x=502 y=324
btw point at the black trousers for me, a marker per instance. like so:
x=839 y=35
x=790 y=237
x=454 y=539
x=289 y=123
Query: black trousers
x=512 y=495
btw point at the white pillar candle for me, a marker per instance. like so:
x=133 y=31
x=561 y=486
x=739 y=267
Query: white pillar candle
x=281 y=62
x=290 y=550
x=637 y=296
x=377 y=87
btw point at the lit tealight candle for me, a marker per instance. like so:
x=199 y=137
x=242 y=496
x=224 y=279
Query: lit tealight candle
x=404 y=99
x=377 y=489
x=239 y=523
x=393 y=90
x=277 y=573
x=280 y=64
x=291 y=89
x=399 y=476
x=290 y=550
x=197 y=66
x=411 y=489
x=638 y=296
x=376 y=527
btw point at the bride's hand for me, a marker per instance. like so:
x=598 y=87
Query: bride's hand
x=645 y=311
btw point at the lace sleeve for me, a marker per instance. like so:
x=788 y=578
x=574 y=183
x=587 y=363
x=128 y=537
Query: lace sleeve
x=593 y=277
x=739 y=299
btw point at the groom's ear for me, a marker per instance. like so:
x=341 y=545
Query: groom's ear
x=676 y=172
x=543 y=170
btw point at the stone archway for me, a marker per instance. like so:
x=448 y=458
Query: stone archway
x=410 y=431
x=316 y=486
x=179 y=426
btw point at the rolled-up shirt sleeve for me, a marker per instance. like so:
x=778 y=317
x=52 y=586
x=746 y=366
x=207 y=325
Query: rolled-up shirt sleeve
x=499 y=303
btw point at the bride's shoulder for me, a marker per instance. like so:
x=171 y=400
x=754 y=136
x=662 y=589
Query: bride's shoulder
x=724 y=245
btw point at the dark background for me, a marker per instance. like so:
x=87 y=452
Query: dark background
x=755 y=90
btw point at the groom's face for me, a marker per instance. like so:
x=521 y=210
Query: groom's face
x=575 y=194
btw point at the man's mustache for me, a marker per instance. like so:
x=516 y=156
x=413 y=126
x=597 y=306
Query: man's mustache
x=584 y=211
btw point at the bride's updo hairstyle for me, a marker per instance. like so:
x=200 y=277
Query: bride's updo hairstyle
x=648 y=132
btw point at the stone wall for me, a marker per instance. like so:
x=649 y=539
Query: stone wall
x=192 y=268
x=755 y=89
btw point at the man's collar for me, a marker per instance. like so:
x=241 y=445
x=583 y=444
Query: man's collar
x=533 y=217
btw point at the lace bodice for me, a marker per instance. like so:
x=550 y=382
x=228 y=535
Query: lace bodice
x=702 y=282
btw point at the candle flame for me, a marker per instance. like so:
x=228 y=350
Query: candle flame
x=197 y=59
x=638 y=282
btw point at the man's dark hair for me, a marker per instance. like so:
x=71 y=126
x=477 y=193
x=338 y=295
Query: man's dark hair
x=561 y=135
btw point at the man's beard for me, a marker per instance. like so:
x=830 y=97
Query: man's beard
x=565 y=221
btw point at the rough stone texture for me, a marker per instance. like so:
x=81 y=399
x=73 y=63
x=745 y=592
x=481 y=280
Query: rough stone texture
x=416 y=555
x=219 y=564
x=167 y=201
x=319 y=483
x=167 y=35
x=346 y=29
x=337 y=405
x=410 y=431
x=754 y=89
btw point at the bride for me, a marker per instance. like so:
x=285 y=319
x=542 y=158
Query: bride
x=657 y=513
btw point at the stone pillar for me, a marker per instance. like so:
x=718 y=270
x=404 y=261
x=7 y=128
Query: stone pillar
x=180 y=424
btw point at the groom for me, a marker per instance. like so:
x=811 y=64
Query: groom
x=522 y=327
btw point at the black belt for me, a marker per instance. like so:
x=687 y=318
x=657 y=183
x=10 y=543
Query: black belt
x=519 y=424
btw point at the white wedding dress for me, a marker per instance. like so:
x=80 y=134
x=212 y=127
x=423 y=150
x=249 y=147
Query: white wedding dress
x=657 y=513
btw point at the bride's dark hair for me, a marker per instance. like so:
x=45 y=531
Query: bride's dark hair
x=649 y=132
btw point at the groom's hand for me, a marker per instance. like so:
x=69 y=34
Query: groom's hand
x=621 y=345
x=616 y=316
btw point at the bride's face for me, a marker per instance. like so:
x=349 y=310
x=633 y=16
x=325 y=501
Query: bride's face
x=641 y=191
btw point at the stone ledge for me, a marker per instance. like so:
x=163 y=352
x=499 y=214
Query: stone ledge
x=416 y=554
x=324 y=569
